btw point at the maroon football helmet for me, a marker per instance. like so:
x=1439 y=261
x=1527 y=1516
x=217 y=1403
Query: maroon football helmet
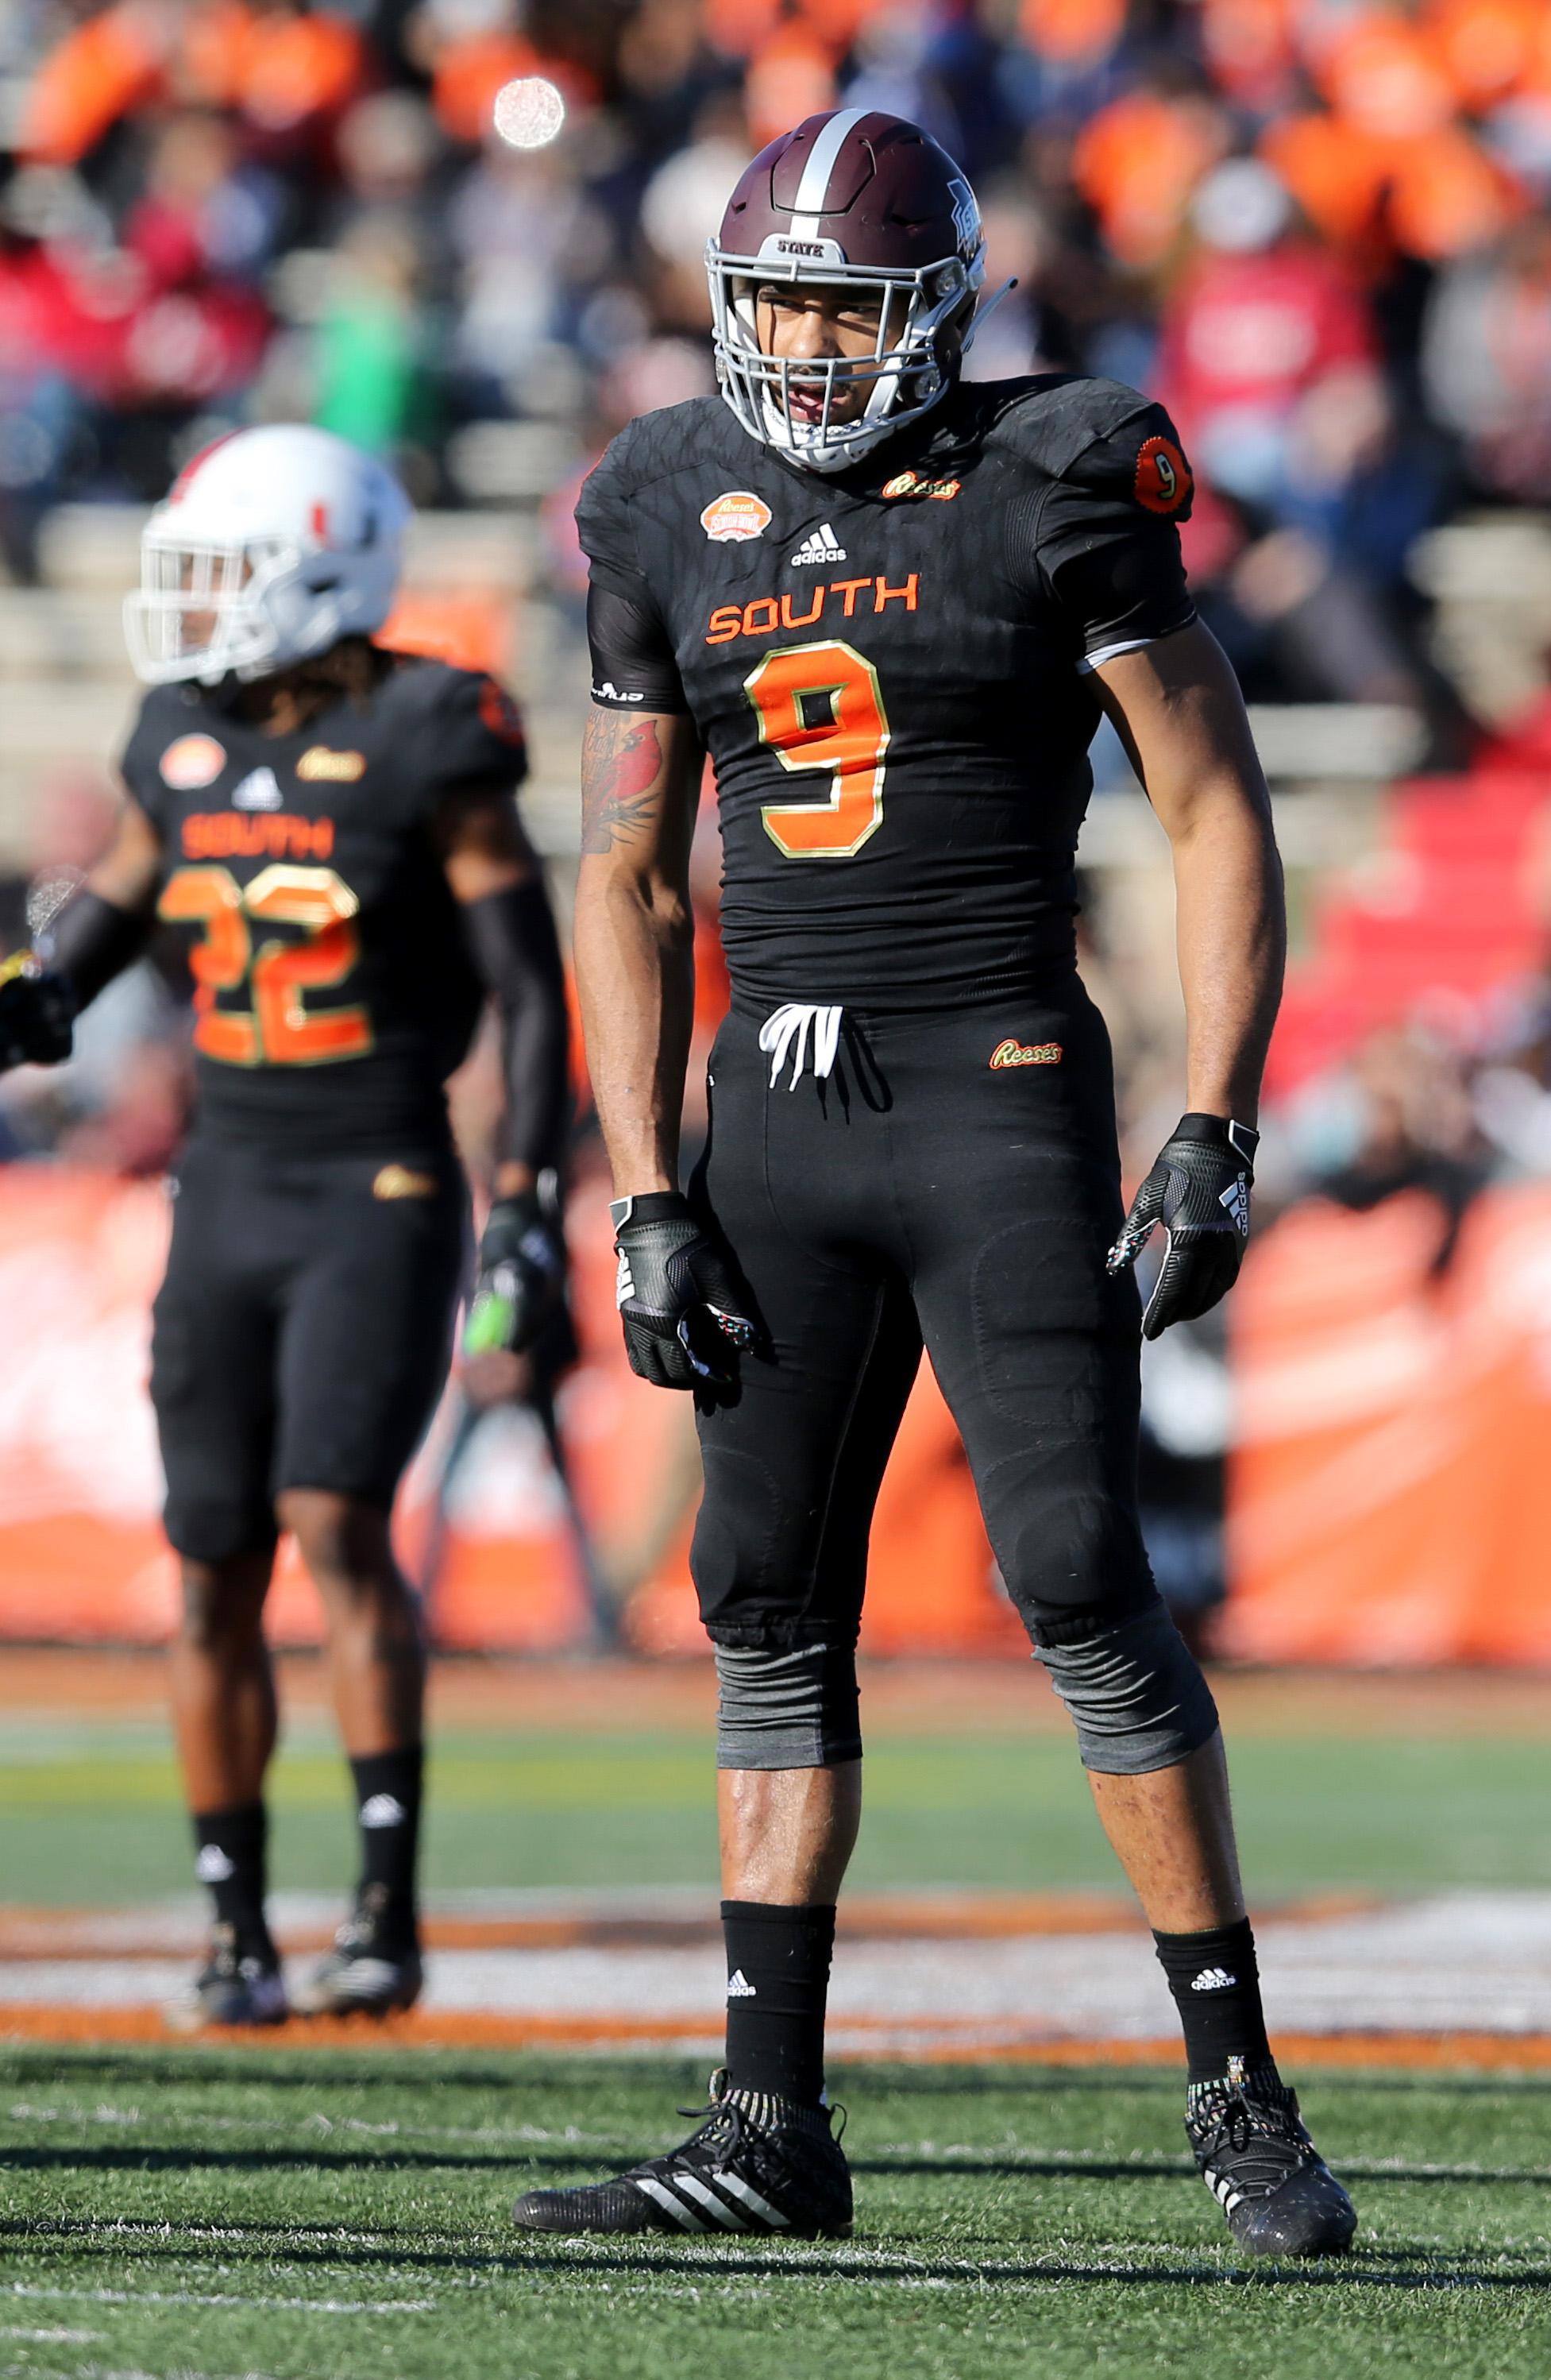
x=864 y=201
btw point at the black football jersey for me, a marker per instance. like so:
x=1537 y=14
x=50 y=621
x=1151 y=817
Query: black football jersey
x=892 y=668
x=333 y=993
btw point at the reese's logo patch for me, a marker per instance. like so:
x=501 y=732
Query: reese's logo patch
x=1025 y=1053
x=1163 y=480
x=739 y=514
x=319 y=766
x=401 y=1182
x=911 y=483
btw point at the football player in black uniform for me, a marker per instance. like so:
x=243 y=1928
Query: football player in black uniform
x=893 y=605
x=333 y=828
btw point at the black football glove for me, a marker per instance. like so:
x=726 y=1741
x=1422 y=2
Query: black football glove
x=36 y=1015
x=521 y=1284
x=1199 y=1191
x=678 y=1300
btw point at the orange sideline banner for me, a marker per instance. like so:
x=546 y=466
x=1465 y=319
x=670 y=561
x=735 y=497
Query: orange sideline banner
x=1390 y=1496
x=483 y=1524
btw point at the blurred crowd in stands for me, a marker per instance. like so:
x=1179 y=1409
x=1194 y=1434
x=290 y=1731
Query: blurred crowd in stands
x=1317 y=228
x=467 y=234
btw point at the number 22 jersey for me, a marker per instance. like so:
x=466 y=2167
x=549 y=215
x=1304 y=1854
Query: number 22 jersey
x=333 y=993
x=892 y=668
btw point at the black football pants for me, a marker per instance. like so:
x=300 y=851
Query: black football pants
x=923 y=1193
x=303 y=1333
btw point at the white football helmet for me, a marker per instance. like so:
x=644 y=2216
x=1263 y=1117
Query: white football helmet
x=270 y=546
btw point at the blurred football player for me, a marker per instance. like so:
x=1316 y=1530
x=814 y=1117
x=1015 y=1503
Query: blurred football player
x=332 y=826
x=893 y=605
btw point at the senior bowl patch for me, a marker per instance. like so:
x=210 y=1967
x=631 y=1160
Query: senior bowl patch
x=1026 y=1053
x=192 y=762
x=735 y=516
x=319 y=766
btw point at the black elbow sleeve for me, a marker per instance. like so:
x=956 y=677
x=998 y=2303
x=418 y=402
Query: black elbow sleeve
x=91 y=942
x=512 y=939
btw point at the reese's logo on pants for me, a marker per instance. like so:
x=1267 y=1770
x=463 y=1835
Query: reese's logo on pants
x=1025 y=1053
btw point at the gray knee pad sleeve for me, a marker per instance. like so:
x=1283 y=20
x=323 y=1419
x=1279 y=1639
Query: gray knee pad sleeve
x=786 y=1706
x=1135 y=1694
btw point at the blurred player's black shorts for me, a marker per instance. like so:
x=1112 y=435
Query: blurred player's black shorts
x=303 y=1332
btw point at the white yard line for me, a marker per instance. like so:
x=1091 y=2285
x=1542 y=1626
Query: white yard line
x=255 y=2304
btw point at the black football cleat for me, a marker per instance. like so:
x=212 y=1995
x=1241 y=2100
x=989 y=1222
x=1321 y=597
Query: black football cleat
x=1254 y=2156
x=373 y=1969
x=238 y=1985
x=757 y=2164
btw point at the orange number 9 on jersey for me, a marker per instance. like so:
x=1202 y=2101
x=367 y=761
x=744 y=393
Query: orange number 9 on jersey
x=821 y=707
x=277 y=1029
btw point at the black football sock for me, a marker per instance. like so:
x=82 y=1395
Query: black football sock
x=778 y=1980
x=230 y=1847
x=1216 y=1983
x=388 y=1787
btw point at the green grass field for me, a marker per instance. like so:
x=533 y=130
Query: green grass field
x=94 y=1814
x=279 y=2214
x=190 y=2212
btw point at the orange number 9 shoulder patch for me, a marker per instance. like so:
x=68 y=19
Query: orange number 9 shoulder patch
x=1163 y=478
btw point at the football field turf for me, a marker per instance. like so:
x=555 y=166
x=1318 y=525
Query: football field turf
x=191 y=2212
x=287 y=2212
x=96 y=1816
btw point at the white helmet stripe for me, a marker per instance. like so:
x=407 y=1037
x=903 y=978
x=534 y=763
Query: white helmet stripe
x=813 y=188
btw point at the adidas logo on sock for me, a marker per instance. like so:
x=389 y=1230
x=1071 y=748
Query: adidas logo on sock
x=382 y=1810
x=212 y=1866
x=739 y=1987
x=1214 y=1979
x=821 y=545
x=260 y=790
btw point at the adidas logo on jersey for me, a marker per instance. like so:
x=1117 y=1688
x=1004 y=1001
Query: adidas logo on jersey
x=823 y=545
x=382 y=1810
x=1214 y=1979
x=739 y=1987
x=260 y=790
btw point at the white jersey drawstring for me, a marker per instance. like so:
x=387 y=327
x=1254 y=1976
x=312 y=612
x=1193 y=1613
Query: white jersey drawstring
x=791 y=1023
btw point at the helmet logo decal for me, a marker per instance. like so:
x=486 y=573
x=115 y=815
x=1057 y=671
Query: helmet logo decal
x=966 y=215
x=321 y=523
x=192 y=762
x=1163 y=480
x=736 y=515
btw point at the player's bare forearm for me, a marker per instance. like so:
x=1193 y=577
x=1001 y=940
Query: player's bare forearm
x=634 y=936
x=1179 y=710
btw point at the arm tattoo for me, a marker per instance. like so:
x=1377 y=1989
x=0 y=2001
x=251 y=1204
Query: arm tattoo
x=622 y=759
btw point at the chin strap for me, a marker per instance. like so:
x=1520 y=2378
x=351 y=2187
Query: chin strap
x=982 y=314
